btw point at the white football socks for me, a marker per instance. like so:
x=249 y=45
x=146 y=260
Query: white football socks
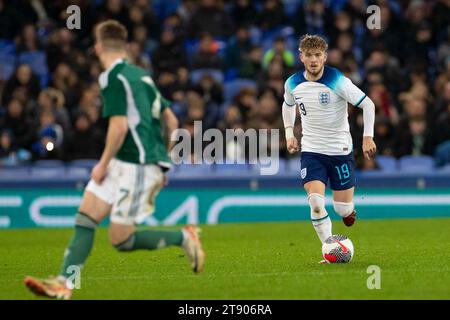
x=343 y=209
x=319 y=216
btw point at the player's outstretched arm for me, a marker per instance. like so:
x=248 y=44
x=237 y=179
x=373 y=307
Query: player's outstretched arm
x=369 y=147
x=117 y=131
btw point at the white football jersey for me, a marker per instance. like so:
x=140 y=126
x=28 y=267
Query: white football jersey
x=323 y=109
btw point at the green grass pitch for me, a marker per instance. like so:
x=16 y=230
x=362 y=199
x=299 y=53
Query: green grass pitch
x=246 y=261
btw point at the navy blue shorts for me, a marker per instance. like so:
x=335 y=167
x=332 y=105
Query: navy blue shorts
x=340 y=170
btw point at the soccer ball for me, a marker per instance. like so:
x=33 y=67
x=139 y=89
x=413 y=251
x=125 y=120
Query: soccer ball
x=338 y=249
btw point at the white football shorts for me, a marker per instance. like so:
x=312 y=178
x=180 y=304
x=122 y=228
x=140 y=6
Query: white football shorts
x=131 y=189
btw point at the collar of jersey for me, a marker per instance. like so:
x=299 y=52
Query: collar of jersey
x=115 y=63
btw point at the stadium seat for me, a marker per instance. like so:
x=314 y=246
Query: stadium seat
x=7 y=65
x=48 y=164
x=191 y=170
x=416 y=164
x=232 y=169
x=232 y=88
x=14 y=172
x=196 y=75
x=84 y=163
x=77 y=173
x=48 y=173
x=387 y=163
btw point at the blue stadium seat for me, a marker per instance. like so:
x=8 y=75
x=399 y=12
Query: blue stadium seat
x=7 y=46
x=387 y=163
x=48 y=164
x=38 y=63
x=48 y=173
x=196 y=75
x=290 y=7
x=232 y=169
x=191 y=170
x=444 y=169
x=7 y=65
x=14 y=172
x=77 y=173
x=232 y=88
x=84 y=163
x=417 y=164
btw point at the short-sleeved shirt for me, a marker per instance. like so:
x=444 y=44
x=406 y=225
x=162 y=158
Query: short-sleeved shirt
x=323 y=109
x=128 y=90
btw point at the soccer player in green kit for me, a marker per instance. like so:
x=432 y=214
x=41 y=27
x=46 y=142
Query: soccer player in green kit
x=130 y=173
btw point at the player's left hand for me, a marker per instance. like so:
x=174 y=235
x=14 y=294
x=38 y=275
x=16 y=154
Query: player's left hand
x=99 y=172
x=369 y=147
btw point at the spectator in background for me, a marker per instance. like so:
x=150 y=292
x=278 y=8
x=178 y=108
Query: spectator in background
x=28 y=40
x=247 y=102
x=67 y=81
x=251 y=66
x=10 y=155
x=274 y=78
x=271 y=16
x=186 y=10
x=238 y=48
x=210 y=90
x=50 y=138
x=243 y=13
x=382 y=100
x=313 y=17
x=90 y=104
x=85 y=141
x=138 y=56
x=140 y=14
x=441 y=129
x=206 y=56
x=19 y=123
x=279 y=49
x=170 y=55
x=116 y=10
x=413 y=139
x=23 y=79
x=385 y=136
x=60 y=47
x=52 y=100
x=212 y=18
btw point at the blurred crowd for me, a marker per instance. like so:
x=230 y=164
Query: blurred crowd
x=224 y=63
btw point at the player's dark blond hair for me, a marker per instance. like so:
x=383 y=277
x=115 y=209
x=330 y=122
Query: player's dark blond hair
x=112 y=35
x=312 y=42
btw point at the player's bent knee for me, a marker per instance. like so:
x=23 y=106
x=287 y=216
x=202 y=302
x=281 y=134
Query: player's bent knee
x=126 y=245
x=316 y=202
x=343 y=208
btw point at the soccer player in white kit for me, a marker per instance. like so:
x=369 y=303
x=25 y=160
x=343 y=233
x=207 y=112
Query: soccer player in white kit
x=321 y=93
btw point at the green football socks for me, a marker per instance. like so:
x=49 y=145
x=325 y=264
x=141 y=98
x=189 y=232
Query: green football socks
x=81 y=245
x=151 y=240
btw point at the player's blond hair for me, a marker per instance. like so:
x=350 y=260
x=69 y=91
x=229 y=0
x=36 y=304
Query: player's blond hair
x=112 y=35
x=312 y=42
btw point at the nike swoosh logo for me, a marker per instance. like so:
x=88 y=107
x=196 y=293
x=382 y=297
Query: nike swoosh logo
x=344 y=248
x=342 y=183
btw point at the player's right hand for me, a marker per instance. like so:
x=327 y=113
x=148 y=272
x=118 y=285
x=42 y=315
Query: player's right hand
x=292 y=145
x=98 y=173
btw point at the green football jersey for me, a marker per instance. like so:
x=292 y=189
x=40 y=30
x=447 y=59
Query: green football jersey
x=130 y=91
